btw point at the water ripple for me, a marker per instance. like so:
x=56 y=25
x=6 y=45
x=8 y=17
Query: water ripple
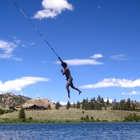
x=79 y=131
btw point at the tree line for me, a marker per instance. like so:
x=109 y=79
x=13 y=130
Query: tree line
x=99 y=104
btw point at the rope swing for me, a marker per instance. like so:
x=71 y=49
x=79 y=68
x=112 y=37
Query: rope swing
x=38 y=31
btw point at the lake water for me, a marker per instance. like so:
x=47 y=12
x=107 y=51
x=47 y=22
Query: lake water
x=71 y=131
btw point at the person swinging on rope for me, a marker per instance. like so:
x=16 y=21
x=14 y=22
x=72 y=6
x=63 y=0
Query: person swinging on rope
x=69 y=79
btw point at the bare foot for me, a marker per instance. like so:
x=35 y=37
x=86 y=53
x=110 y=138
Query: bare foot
x=68 y=98
x=80 y=92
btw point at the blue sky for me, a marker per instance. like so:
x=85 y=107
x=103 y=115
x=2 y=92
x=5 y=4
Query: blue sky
x=99 y=39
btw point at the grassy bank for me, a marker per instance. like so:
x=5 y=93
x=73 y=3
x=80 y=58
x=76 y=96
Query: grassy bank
x=72 y=114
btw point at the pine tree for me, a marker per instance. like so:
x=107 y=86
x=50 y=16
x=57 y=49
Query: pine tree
x=92 y=106
x=107 y=101
x=86 y=106
x=83 y=104
x=93 y=99
x=99 y=98
x=78 y=104
x=122 y=105
x=128 y=104
x=57 y=105
x=68 y=104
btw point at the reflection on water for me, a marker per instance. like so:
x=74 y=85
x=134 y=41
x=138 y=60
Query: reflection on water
x=79 y=131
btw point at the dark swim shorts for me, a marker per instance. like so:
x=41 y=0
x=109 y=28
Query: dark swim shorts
x=70 y=83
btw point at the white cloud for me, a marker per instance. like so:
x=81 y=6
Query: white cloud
x=76 y=62
x=30 y=44
x=119 y=57
x=24 y=46
x=7 y=49
x=52 y=8
x=18 y=84
x=131 y=93
x=112 y=82
x=17 y=41
x=97 y=56
x=110 y=101
x=83 y=62
x=16 y=59
x=63 y=103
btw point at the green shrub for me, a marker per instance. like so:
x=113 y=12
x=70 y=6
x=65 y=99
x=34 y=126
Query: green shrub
x=92 y=118
x=8 y=111
x=1 y=111
x=87 y=117
x=30 y=118
x=131 y=117
x=21 y=114
x=97 y=120
x=104 y=120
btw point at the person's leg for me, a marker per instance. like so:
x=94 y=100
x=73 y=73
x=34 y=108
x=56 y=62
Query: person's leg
x=72 y=86
x=68 y=90
x=76 y=89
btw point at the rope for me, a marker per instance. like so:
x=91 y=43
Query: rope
x=37 y=30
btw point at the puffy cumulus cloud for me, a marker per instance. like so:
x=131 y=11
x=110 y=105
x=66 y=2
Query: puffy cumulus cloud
x=112 y=82
x=97 y=56
x=52 y=8
x=18 y=84
x=131 y=93
x=76 y=62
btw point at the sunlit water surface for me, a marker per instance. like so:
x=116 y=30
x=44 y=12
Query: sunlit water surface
x=70 y=131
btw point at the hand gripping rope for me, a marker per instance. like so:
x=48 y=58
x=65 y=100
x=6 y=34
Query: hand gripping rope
x=37 y=31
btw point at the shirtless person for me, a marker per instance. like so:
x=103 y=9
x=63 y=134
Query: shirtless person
x=66 y=72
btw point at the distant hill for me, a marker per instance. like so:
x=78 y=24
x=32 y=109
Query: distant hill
x=9 y=99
